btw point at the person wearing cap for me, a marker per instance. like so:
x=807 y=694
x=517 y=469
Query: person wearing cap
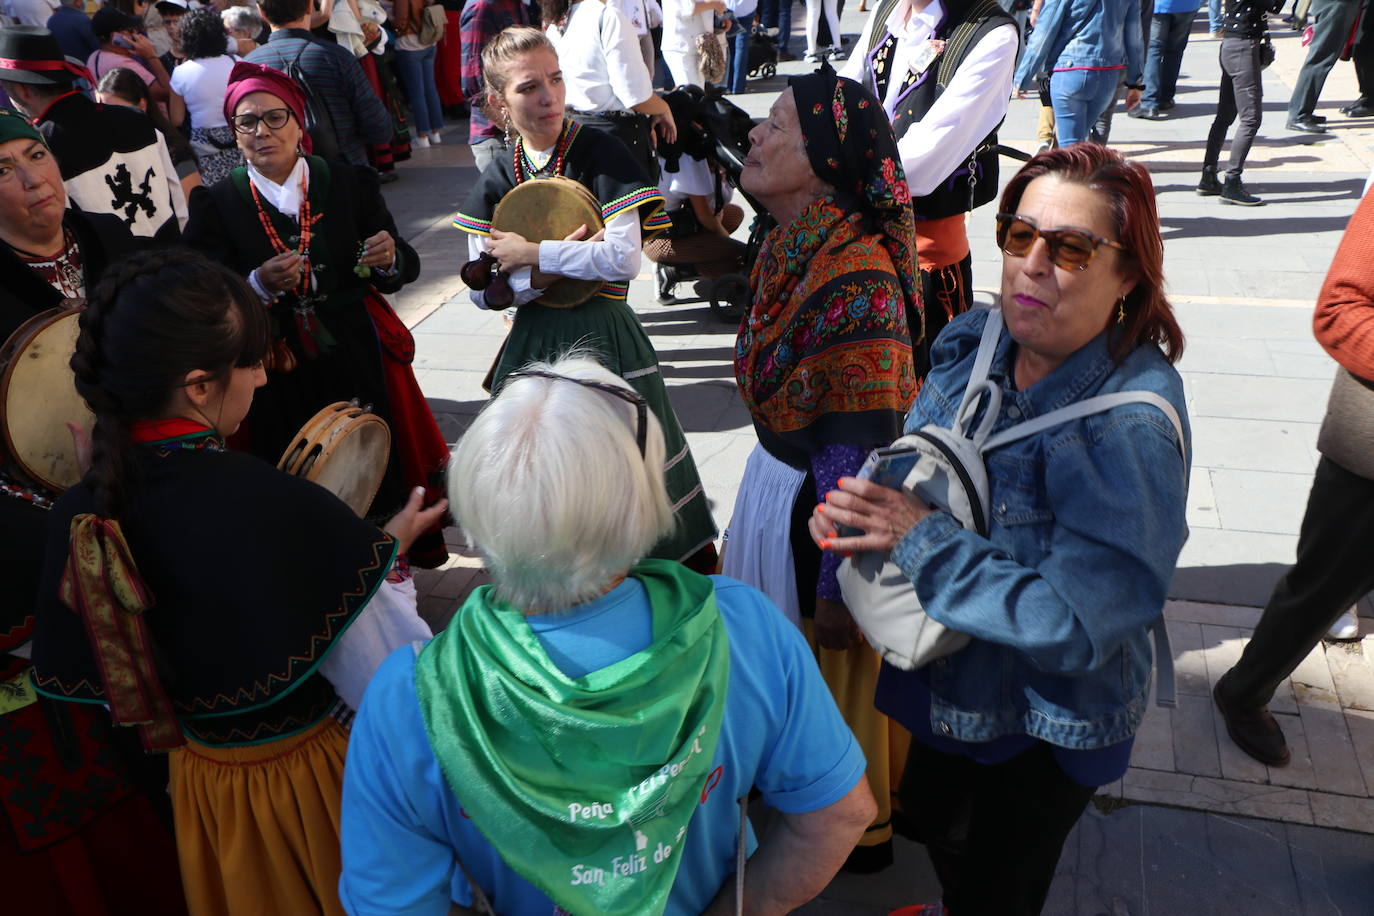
x=113 y=160
x=81 y=804
x=72 y=27
x=123 y=44
x=172 y=12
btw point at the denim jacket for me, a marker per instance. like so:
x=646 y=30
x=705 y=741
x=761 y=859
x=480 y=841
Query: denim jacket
x=1085 y=33
x=1088 y=519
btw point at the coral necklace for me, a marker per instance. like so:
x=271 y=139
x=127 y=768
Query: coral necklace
x=555 y=164
x=314 y=336
x=280 y=247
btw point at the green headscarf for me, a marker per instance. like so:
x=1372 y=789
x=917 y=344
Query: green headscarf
x=585 y=786
x=14 y=126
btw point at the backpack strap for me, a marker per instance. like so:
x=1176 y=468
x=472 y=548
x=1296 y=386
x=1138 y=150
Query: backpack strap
x=1087 y=407
x=978 y=385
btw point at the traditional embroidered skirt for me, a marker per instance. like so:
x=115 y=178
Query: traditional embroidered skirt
x=608 y=328
x=76 y=836
x=258 y=827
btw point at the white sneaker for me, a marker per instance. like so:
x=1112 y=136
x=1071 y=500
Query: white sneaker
x=1347 y=626
x=435 y=139
x=420 y=141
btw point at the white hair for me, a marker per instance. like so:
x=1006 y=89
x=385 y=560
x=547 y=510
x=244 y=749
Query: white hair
x=241 y=18
x=549 y=485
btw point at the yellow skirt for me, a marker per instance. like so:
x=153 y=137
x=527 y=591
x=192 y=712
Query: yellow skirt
x=257 y=827
x=852 y=676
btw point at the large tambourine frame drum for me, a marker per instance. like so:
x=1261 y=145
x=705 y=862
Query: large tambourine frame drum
x=343 y=448
x=38 y=398
x=547 y=209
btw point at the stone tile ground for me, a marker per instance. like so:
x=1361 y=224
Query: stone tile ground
x=1195 y=826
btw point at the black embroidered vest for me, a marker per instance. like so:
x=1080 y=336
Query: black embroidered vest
x=974 y=182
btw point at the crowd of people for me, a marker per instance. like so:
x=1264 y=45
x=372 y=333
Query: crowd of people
x=219 y=694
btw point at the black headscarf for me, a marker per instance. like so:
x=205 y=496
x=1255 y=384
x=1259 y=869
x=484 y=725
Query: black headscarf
x=850 y=144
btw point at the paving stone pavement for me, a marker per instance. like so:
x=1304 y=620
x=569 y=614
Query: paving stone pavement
x=1195 y=826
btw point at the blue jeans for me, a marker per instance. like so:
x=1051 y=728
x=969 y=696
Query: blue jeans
x=1168 y=39
x=739 y=53
x=777 y=14
x=417 y=73
x=1078 y=97
x=1214 y=16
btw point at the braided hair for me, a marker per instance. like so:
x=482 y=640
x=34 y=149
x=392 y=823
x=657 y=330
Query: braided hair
x=152 y=320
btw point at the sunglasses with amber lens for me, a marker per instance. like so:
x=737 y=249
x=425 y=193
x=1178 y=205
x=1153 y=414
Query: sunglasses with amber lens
x=1071 y=249
x=274 y=118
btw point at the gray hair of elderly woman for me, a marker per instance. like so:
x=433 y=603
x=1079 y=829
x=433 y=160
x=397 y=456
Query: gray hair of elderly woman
x=242 y=21
x=549 y=485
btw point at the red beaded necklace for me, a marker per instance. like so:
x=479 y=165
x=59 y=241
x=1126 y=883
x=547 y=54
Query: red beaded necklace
x=279 y=246
x=556 y=161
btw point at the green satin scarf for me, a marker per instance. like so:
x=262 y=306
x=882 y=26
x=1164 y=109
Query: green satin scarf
x=584 y=785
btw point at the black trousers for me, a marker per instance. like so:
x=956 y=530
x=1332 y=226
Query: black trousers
x=1362 y=52
x=945 y=292
x=994 y=833
x=1332 y=572
x=1241 y=93
x=1332 y=20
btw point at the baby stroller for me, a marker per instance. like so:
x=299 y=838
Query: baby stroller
x=713 y=129
x=763 y=54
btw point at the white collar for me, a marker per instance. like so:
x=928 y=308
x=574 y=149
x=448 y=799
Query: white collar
x=285 y=197
x=904 y=22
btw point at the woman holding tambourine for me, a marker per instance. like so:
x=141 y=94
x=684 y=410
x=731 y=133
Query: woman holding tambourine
x=525 y=91
x=224 y=612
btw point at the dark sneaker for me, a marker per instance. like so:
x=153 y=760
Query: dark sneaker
x=1360 y=109
x=1167 y=106
x=1255 y=731
x=1209 y=186
x=1148 y=114
x=1233 y=192
x=1307 y=124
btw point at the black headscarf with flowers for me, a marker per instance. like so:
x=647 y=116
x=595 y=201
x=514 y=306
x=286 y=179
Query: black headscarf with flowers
x=823 y=356
x=850 y=144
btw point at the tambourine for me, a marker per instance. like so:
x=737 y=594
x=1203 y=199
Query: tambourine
x=542 y=209
x=38 y=398
x=343 y=448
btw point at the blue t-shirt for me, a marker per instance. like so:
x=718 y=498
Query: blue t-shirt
x=781 y=733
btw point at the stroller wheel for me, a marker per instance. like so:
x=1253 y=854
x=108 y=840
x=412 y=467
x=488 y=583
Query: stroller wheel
x=729 y=295
x=769 y=70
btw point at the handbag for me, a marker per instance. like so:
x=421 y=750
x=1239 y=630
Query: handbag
x=944 y=467
x=1266 y=51
x=432 y=24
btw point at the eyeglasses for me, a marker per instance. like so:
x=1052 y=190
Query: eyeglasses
x=627 y=395
x=274 y=118
x=1071 y=249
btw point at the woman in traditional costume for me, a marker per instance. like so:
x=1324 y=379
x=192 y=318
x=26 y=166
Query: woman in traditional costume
x=318 y=245
x=525 y=90
x=217 y=605
x=824 y=365
x=81 y=831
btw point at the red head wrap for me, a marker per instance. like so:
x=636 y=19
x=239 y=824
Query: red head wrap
x=246 y=78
